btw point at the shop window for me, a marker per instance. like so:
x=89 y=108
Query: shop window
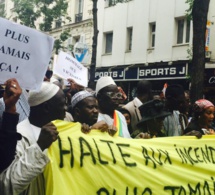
x=183 y=31
x=109 y=42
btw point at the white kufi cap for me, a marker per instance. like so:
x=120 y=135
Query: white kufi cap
x=104 y=82
x=80 y=96
x=46 y=92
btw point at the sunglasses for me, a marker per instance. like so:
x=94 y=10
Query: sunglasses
x=114 y=95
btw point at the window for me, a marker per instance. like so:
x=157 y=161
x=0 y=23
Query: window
x=183 y=31
x=129 y=38
x=58 y=23
x=78 y=17
x=79 y=12
x=114 y=2
x=153 y=29
x=2 y=8
x=74 y=40
x=111 y=2
x=14 y=19
x=80 y=6
x=109 y=40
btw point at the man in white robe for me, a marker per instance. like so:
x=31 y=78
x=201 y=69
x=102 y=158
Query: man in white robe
x=24 y=175
x=108 y=97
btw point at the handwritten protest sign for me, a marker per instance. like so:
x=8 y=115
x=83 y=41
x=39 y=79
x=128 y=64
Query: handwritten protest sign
x=99 y=164
x=24 y=54
x=68 y=67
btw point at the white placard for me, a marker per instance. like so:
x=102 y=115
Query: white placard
x=24 y=54
x=67 y=67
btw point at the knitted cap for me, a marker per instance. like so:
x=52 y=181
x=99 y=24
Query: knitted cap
x=80 y=96
x=201 y=105
x=104 y=82
x=46 y=92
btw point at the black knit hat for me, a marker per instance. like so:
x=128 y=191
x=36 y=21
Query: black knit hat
x=174 y=91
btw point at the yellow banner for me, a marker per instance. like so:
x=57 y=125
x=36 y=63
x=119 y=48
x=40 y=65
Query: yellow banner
x=96 y=163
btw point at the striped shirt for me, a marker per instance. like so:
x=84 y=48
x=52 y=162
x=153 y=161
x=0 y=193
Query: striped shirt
x=22 y=106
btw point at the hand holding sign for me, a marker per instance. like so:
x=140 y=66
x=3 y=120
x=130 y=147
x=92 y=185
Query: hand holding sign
x=11 y=95
x=47 y=135
x=75 y=86
x=24 y=54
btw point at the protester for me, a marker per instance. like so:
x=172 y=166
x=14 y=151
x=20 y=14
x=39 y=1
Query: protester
x=1 y=91
x=85 y=110
x=8 y=134
x=48 y=75
x=175 y=123
x=203 y=115
x=188 y=110
x=144 y=94
x=22 y=106
x=127 y=116
x=24 y=175
x=151 y=124
x=71 y=89
x=57 y=81
x=108 y=97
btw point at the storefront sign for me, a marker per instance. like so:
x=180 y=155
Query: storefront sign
x=117 y=74
x=150 y=73
x=163 y=72
x=210 y=77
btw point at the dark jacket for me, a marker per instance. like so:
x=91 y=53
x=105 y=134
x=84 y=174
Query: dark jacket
x=193 y=125
x=8 y=139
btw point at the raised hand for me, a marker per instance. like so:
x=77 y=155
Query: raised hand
x=85 y=128
x=75 y=86
x=11 y=95
x=194 y=133
x=143 y=136
x=101 y=125
x=47 y=136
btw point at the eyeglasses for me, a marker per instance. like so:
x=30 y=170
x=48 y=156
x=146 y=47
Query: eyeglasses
x=114 y=95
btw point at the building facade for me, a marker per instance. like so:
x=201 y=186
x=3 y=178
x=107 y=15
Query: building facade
x=148 y=39
x=80 y=26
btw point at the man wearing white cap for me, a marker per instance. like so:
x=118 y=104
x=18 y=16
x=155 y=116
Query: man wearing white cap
x=85 y=111
x=84 y=108
x=24 y=175
x=108 y=97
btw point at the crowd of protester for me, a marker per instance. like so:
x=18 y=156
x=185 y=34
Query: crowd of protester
x=26 y=130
